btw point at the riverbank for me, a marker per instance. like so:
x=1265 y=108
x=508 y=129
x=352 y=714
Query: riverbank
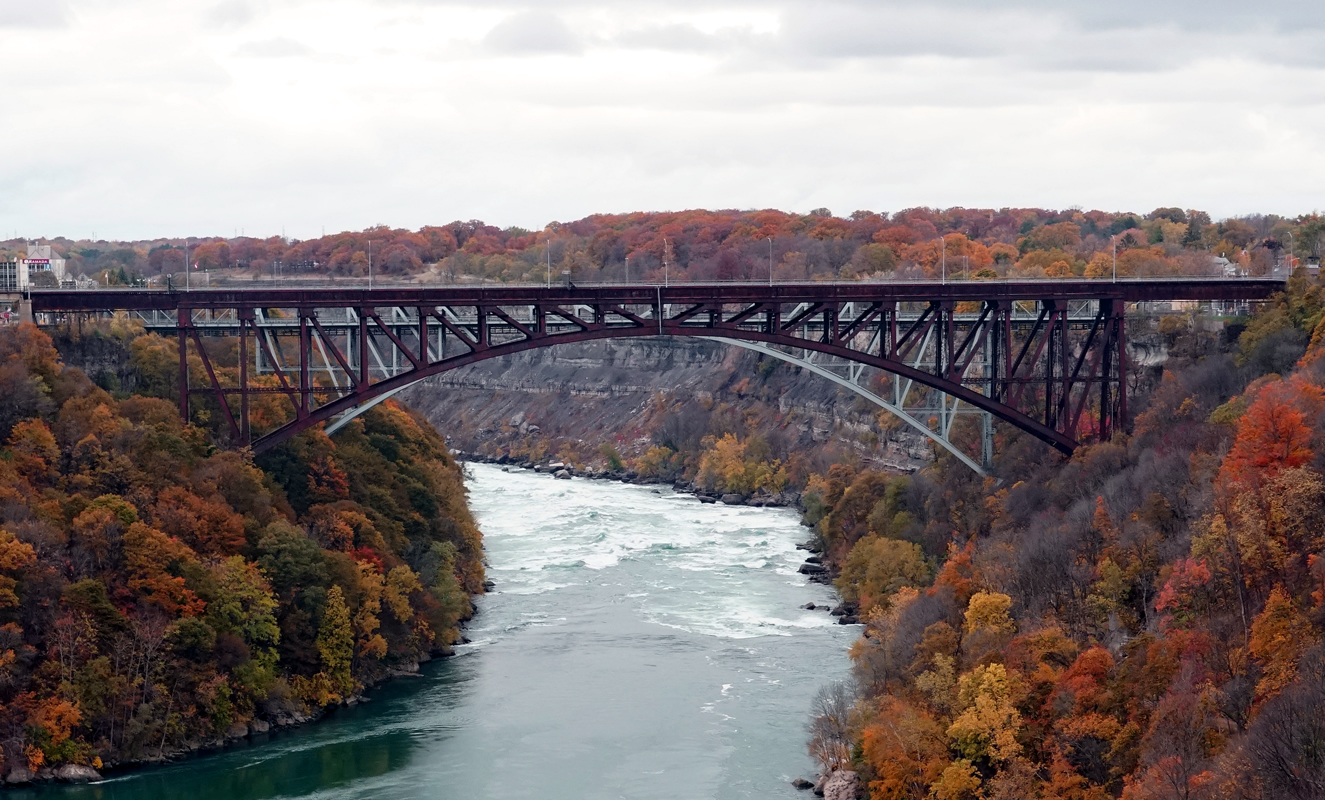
x=637 y=644
x=254 y=729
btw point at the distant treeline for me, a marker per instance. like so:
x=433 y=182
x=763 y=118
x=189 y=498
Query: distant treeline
x=742 y=245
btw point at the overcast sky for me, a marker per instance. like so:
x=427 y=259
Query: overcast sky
x=140 y=118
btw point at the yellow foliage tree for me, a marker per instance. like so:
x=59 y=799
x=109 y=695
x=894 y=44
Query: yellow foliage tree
x=1279 y=636
x=987 y=726
x=877 y=567
x=727 y=464
x=959 y=781
x=335 y=645
x=366 y=620
x=400 y=583
x=14 y=556
x=988 y=611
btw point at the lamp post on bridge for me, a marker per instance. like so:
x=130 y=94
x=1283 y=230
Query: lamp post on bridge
x=1115 y=258
x=370 y=264
x=770 y=259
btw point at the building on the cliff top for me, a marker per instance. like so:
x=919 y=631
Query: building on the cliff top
x=41 y=259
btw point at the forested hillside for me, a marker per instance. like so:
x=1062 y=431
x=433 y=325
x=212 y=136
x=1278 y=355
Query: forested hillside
x=1142 y=620
x=159 y=594
x=960 y=243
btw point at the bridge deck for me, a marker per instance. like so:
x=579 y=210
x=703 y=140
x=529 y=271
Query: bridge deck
x=1131 y=291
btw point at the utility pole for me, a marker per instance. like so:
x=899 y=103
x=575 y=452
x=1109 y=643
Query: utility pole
x=770 y=259
x=665 y=246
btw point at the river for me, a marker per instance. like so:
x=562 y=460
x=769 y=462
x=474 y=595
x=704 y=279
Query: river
x=638 y=644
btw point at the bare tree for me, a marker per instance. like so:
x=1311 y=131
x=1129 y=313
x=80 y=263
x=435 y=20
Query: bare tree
x=830 y=736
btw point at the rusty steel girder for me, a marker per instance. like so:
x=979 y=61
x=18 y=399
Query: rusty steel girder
x=1047 y=357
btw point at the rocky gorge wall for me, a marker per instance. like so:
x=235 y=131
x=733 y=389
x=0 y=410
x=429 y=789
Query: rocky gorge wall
x=570 y=399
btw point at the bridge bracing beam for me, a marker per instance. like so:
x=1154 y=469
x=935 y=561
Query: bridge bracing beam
x=1048 y=358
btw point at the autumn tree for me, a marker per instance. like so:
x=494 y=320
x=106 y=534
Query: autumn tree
x=335 y=642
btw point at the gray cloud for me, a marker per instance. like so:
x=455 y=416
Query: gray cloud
x=679 y=38
x=847 y=104
x=532 y=33
x=1187 y=15
x=231 y=13
x=31 y=13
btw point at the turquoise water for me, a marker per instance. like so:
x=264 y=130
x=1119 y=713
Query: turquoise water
x=638 y=644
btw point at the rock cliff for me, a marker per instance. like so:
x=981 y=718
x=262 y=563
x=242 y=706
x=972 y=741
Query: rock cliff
x=571 y=399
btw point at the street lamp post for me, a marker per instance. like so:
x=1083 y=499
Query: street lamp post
x=627 y=269
x=943 y=260
x=370 y=264
x=1115 y=258
x=770 y=259
x=549 y=263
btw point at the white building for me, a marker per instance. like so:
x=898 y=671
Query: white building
x=40 y=258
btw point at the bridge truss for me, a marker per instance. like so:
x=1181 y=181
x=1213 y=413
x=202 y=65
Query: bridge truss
x=1048 y=358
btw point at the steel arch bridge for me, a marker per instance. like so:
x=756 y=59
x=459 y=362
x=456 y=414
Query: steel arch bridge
x=1048 y=357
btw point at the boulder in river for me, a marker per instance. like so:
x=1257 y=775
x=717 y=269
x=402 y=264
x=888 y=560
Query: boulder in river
x=259 y=726
x=703 y=498
x=841 y=785
x=812 y=569
x=733 y=499
x=809 y=606
x=562 y=475
x=802 y=784
x=20 y=775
